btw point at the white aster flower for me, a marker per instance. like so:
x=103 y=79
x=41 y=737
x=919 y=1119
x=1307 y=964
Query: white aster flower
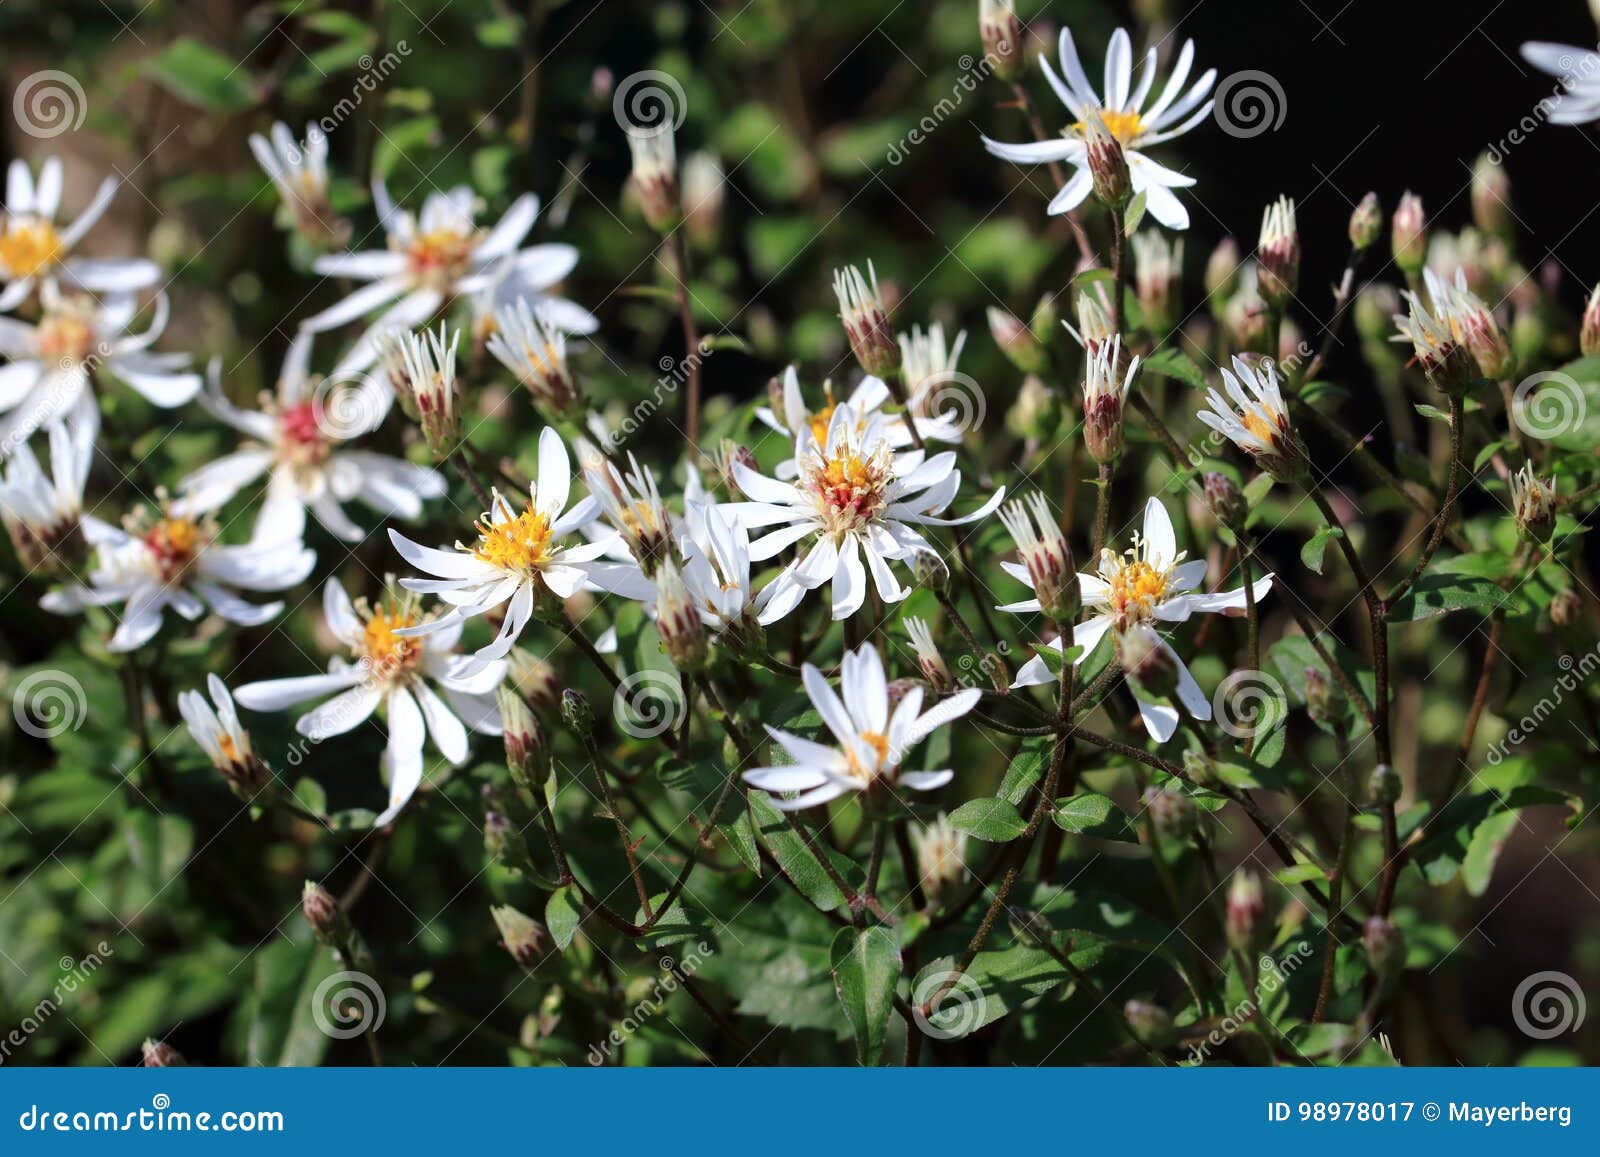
x=941 y=854
x=1130 y=117
x=1578 y=69
x=440 y=255
x=518 y=556
x=215 y=727
x=43 y=512
x=76 y=339
x=926 y=363
x=872 y=742
x=1256 y=421
x=299 y=171
x=175 y=561
x=528 y=343
x=33 y=249
x=392 y=668
x=1147 y=585
x=631 y=505
x=857 y=497
x=298 y=440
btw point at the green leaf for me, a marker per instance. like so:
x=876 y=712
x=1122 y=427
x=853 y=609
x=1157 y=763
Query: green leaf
x=1026 y=769
x=1170 y=363
x=1134 y=214
x=741 y=837
x=866 y=967
x=1440 y=594
x=1316 y=547
x=994 y=820
x=793 y=856
x=1054 y=659
x=202 y=76
x=1090 y=814
x=561 y=914
x=278 y=1011
x=1299 y=874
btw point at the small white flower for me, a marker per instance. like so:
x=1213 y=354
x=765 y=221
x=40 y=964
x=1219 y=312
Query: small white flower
x=33 y=249
x=1149 y=584
x=529 y=344
x=857 y=498
x=872 y=742
x=299 y=444
x=631 y=504
x=926 y=362
x=518 y=556
x=1256 y=421
x=392 y=668
x=76 y=339
x=216 y=729
x=42 y=512
x=1129 y=115
x=440 y=255
x=299 y=171
x=175 y=561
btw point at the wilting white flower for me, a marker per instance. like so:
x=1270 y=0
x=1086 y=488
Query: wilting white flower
x=33 y=249
x=934 y=669
x=518 y=556
x=529 y=344
x=866 y=401
x=1533 y=503
x=54 y=360
x=175 y=561
x=298 y=442
x=1256 y=421
x=857 y=497
x=299 y=171
x=872 y=742
x=1148 y=584
x=1470 y=321
x=441 y=255
x=926 y=362
x=1578 y=69
x=392 y=668
x=1129 y=116
x=631 y=504
x=216 y=729
x=42 y=512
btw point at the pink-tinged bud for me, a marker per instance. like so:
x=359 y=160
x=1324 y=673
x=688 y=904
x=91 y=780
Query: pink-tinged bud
x=430 y=371
x=1158 y=278
x=1227 y=503
x=1366 y=223
x=934 y=669
x=1565 y=607
x=1408 y=234
x=1533 y=503
x=524 y=937
x=1002 y=37
x=1446 y=361
x=1222 y=273
x=1108 y=165
x=1151 y=1023
x=158 y=1054
x=655 y=175
x=1246 y=907
x=683 y=633
x=1278 y=253
x=1171 y=813
x=1045 y=555
x=1146 y=660
x=1105 y=393
x=1386 y=947
x=866 y=321
x=1589 y=335
x=525 y=743
x=1016 y=341
x=323 y=913
x=1491 y=197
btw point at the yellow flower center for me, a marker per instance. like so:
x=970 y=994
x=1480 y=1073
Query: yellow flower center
x=440 y=257
x=29 y=246
x=878 y=743
x=230 y=749
x=174 y=543
x=1125 y=126
x=820 y=421
x=387 y=652
x=1136 y=589
x=1259 y=426
x=521 y=544
x=850 y=488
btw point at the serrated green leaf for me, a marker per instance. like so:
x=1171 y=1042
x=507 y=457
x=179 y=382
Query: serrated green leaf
x=866 y=968
x=994 y=820
x=1090 y=814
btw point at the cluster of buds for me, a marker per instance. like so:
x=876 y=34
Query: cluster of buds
x=1246 y=907
x=934 y=669
x=678 y=622
x=523 y=936
x=1147 y=660
x=532 y=347
x=1278 y=254
x=1533 y=503
x=1108 y=164
x=1002 y=37
x=655 y=174
x=428 y=369
x=215 y=727
x=1105 y=392
x=1157 y=278
x=1366 y=223
x=1046 y=557
x=940 y=850
x=866 y=321
x=1408 y=235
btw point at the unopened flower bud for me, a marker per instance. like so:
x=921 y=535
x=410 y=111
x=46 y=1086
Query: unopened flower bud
x=1151 y=1023
x=1366 y=223
x=1016 y=341
x=1222 y=273
x=1386 y=947
x=1447 y=362
x=1491 y=197
x=704 y=191
x=1383 y=786
x=678 y=622
x=1278 y=253
x=1533 y=504
x=1589 y=335
x=323 y=913
x=577 y=714
x=655 y=174
x=534 y=679
x=526 y=747
x=940 y=852
x=524 y=937
x=1246 y=907
x=866 y=321
x=1408 y=235
x=1226 y=501
x=934 y=669
x=1045 y=555
x=1105 y=390
x=1326 y=701
x=1036 y=411
x=430 y=371
x=1002 y=37
x=1108 y=165
x=1158 y=278
x=1564 y=607
x=158 y=1054
x=1146 y=660
x=1171 y=813
x=930 y=571
x=1200 y=768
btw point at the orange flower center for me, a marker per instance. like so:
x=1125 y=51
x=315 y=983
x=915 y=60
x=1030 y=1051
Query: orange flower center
x=387 y=652
x=521 y=544
x=1125 y=126
x=65 y=336
x=440 y=257
x=850 y=488
x=1136 y=588
x=174 y=542
x=29 y=246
